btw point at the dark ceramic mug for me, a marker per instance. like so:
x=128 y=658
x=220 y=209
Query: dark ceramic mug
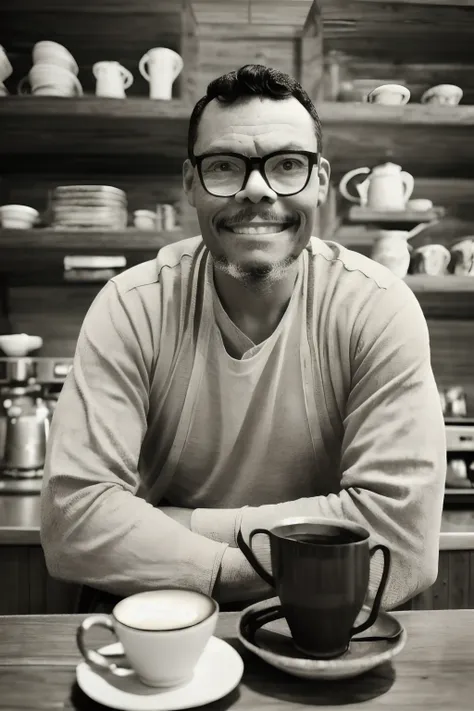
x=321 y=571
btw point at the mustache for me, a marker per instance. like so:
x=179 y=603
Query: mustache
x=246 y=216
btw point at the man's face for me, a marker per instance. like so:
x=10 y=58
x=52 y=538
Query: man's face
x=256 y=127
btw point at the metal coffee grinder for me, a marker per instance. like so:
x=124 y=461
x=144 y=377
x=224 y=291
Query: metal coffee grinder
x=26 y=410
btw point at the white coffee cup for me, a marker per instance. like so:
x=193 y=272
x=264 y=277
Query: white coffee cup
x=51 y=80
x=3 y=90
x=443 y=95
x=160 y=66
x=6 y=68
x=47 y=52
x=163 y=634
x=112 y=79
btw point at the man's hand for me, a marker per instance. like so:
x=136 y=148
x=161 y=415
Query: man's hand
x=178 y=514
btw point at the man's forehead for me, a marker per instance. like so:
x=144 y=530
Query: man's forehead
x=256 y=123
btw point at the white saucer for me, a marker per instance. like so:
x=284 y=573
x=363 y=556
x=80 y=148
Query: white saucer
x=217 y=673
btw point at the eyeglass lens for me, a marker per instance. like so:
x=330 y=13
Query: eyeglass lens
x=224 y=175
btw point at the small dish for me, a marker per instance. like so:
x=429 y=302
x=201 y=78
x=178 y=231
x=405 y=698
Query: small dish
x=272 y=642
x=389 y=94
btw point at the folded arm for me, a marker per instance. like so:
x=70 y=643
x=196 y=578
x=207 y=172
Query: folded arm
x=393 y=460
x=95 y=530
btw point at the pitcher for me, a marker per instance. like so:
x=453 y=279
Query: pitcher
x=112 y=79
x=387 y=187
x=391 y=248
x=160 y=66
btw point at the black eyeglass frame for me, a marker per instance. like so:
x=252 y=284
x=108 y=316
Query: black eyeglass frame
x=257 y=162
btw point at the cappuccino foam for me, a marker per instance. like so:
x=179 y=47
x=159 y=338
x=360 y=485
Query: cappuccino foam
x=164 y=609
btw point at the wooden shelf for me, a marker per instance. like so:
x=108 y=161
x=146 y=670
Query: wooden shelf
x=446 y=283
x=142 y=133
x=85 y=241
x=363 y=215
x=120 y=133
x=36 y=257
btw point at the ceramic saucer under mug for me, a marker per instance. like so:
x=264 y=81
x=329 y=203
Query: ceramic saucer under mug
x=217 y=673
x=270 y=639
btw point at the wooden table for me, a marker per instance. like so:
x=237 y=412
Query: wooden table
x=435 y=671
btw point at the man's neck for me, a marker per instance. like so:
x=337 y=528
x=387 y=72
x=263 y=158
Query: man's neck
x=256 y=310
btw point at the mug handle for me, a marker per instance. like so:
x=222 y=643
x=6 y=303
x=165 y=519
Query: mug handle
x=21 y=85
x=250 y=555
x=94 y=658
x=78 y=85
x=127 y=77
x=178 y=66
x=142 y=67
x=381 y=589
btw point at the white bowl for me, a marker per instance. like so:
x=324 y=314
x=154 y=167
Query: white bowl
x=18 y=216
x=19 y=344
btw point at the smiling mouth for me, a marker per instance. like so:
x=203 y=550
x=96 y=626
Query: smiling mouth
x=261 y=229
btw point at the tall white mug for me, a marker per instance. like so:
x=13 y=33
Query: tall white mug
x=160 y=66
x=112 y=79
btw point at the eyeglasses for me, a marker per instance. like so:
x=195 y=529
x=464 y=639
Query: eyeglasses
x=226 y=174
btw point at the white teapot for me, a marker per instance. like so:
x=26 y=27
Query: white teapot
x=387 y=187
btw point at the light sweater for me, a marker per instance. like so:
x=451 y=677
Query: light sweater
x=335 y=415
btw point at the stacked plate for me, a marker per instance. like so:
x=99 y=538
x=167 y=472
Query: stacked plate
x=93 y=207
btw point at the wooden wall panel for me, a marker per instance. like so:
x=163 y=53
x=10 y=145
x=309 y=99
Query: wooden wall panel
x=398 y=32
x=27 y=587
x=454 y=587
x=218 y=56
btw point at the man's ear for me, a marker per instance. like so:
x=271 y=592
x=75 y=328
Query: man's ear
x=188 y=181
x=324 y=174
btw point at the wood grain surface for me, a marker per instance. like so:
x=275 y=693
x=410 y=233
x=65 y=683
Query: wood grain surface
x=433 y=672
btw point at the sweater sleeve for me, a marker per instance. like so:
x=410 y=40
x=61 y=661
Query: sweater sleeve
x=393 y=458
x=95 y=529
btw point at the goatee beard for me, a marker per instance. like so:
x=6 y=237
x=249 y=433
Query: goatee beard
x=254 y=277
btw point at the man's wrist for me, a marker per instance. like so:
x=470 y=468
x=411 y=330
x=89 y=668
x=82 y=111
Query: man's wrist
x=217 y=524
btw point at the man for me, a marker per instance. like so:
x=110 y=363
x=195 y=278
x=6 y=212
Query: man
x=243 y=376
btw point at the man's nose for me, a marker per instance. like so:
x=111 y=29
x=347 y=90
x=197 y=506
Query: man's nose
x=256 y=189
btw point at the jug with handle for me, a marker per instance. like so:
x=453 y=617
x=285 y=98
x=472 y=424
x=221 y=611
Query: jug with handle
x=391 y=248
x=387 y=187
x=112 y=79
x=161 y=66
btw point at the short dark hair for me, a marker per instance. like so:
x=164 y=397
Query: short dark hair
x=252 y=80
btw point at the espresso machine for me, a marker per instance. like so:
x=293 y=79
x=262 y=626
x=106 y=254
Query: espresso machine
x=29 y=389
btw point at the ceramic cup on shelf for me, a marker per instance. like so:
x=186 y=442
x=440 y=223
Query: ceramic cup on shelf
x=144 y=220
x=48 y=52
x=443 y=95
x=390 y=95
x=50 y=80
x=462 y=257
x=18 y=217
x=161 y=66
x=112 y=79
x=3 y=90
x=431 y=259
x=6 y=68
x=163 y=634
